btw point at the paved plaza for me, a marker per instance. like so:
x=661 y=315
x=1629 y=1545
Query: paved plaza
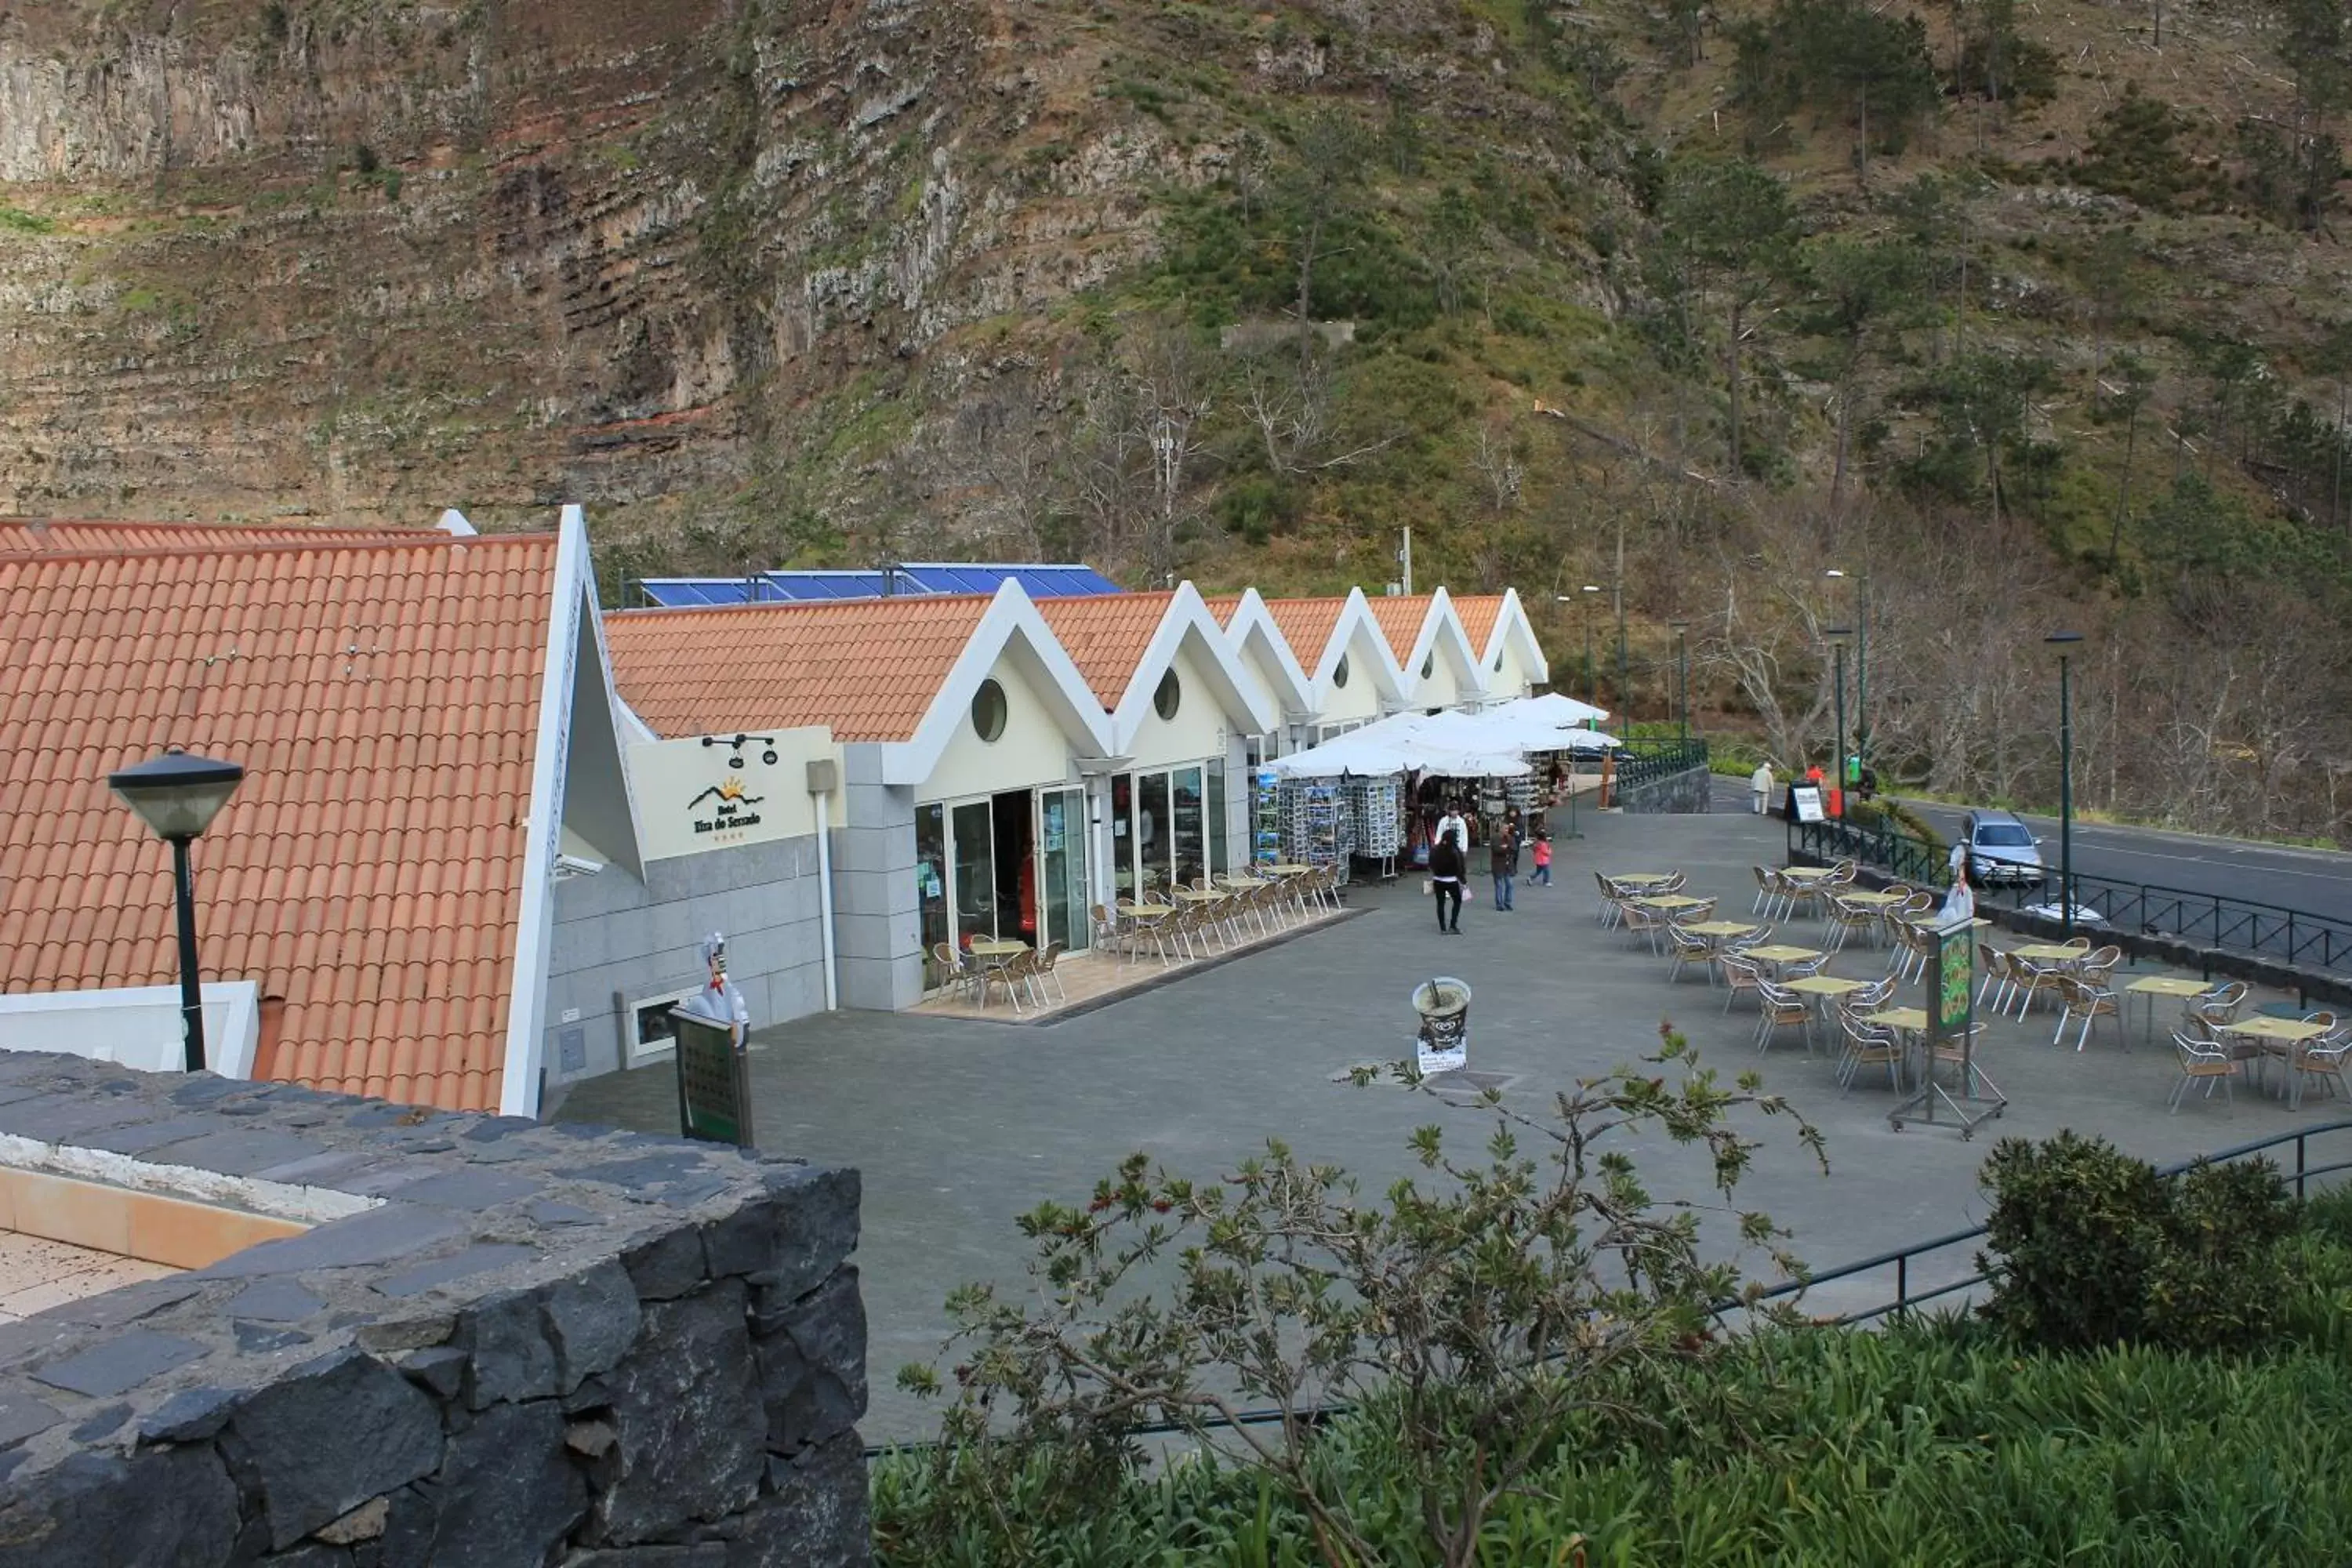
x=958 y=1125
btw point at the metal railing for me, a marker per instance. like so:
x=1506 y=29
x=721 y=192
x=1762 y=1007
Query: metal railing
x=2216 y=920
x=1899 y=1260
x=1647 y=759
x=1902 y=1257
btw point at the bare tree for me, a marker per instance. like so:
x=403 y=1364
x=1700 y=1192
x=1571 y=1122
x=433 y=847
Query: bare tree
x=1293 y=407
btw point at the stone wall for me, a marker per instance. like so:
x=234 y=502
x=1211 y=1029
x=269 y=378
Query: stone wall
x=616 y=937
x=520 y=1345
x=1692 y=790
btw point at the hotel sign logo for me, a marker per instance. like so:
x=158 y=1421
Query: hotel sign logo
x=724 y=808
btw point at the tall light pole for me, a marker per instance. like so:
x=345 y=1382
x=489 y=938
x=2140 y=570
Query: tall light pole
x=177 y=795
x=1681 y=678
x=1837 y=636
x=2064 y=643
x=1592 y=680
x=1618 y=589
x=1861 y=664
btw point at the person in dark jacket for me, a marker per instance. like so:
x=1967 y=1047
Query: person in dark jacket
x=1445 y=870
x=1503 y=850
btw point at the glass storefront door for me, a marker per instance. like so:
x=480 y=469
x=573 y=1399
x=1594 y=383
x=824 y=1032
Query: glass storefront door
x=975 y=870
x=1190 y=847
x=1153 y=835
x=1061 y=846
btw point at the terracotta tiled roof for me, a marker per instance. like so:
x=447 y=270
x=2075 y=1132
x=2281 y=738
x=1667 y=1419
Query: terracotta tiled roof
x=1478 y=613
x=1106 y=636
x=384 y=702
x=41 y=536
x=1306 y=625
x=1222 y=606
x=868 y=667
x=1400 y=617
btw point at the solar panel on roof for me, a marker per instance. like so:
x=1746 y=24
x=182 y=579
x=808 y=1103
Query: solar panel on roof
x=1039 y=580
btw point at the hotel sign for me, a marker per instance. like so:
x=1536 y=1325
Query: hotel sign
x=725 y=808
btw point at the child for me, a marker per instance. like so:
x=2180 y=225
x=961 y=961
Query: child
x=1542 y=879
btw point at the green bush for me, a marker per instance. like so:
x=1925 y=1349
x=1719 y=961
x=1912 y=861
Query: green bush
x=2091 y=1248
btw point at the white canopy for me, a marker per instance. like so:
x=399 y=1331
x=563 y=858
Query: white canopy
x=1552 y=706
x=1492 y=744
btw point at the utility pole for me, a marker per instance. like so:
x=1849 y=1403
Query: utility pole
x=1619 y=589
x=1404 y=563
x=2064 y=643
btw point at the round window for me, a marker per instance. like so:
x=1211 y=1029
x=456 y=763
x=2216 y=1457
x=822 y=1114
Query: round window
x=1339 y=671
x=1428 y=667
x=988 y=711
x=1170 y=693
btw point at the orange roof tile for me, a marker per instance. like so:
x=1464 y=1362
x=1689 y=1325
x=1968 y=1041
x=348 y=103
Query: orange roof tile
x=1106 y=636
x=1478 y=613
x=1222 y=606
x=868 y=667
x=1307 y=624
x=384 y=701
x=1401 y=616
x=77 y=536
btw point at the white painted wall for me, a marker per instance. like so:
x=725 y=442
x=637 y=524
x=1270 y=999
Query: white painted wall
x=137 y=1025
x=1361 y=697
x=1201 y=726
x=1443 y=688
x=1034 y=750
x=1510 y=676
x=670 y=780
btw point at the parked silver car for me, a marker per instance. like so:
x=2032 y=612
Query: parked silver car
x=2001 y=849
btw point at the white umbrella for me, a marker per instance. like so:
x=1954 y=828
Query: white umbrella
x=1553 y=708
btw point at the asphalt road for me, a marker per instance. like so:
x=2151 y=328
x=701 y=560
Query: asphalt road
x=2309 y=881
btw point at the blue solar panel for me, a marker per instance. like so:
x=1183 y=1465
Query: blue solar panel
x=1039 y=581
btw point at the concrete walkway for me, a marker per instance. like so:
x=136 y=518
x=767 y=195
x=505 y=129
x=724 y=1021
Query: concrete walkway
x=960 y=1125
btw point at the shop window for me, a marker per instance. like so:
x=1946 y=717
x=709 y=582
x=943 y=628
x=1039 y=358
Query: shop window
x=1170 y=697
x=988 y=708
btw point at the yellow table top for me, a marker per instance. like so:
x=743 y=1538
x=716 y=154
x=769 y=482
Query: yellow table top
x=1873 y=900
x=1640 y=875
x=1195 y=895
x=1288 y=868
x=1780 y=952
x=1671 y=901
x=2169 y=986
x=1899 y=1018
x=1807 y=873
x=1718 y=928
x=1246 y=883
x=2048 y=952
x=1149 y=912
x=993 y=947
x=2267 y=1027
x=1827 y=984
x=1927 y=922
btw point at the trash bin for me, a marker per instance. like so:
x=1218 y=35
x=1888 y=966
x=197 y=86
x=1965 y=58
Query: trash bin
x=1444 y=1005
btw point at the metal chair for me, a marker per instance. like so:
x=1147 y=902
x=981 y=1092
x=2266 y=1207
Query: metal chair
x=2322 y=1059
x=1868 y=1045
x=955 y=975
x=2203 y=1059
x=2089 y=1002
x=1777 y=1008
x=1739 y=974
x=1687 y=949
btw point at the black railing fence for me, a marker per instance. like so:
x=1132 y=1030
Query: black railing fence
x=1646 y=759
x=2203 y=919
x=1902 y=1260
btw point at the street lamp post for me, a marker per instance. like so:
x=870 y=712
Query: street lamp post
x=177 y=795
x=1861 y=665
x=2064 y=642
x=1592 y=680
x=1682 y=679
x=1618 y=590
x=1837 y=636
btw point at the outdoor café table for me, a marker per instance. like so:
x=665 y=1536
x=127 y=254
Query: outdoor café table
x=1717 y=928
x=1871 y=901
x=1636 y=880
x=993 y=953
x=2278 y=1038
x=2174 y=985
x=1911 y=1023
x=1778 y=954
x=2048 y=952
x=1823 y=989
x=1287 y=868
x=1669 y=902
x=1806 y=873
x=1246 y=884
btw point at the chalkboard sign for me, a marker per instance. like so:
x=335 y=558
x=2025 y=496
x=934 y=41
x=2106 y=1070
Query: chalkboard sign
x=714 y=1080
x=1807 y=800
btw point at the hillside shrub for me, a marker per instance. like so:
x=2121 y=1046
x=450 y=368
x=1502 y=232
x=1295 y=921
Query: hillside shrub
x=2091 y=1247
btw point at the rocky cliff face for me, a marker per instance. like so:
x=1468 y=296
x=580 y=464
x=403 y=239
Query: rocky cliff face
x=377 y=258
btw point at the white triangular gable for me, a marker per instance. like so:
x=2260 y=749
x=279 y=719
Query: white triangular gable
x=1188 y=624
x=1514 y=640
x=1011 y=628
x=1457 y=672
x=1257 y=640
x=1357 y=637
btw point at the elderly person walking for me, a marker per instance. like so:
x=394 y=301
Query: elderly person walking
x=1760 y=787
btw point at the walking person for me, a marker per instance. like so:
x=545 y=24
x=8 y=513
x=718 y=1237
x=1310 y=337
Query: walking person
x=1542 y=879
x=1759 y=786
x=1503 y=852
x=1455 y=827
x=1445 y=870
